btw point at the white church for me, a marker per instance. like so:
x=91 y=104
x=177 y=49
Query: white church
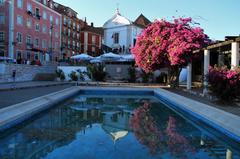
x=120 y=33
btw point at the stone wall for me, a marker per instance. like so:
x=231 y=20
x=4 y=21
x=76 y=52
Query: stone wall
x=23 y=72
x=117 y=71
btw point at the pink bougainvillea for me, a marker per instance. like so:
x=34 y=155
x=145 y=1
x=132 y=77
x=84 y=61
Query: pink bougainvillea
x=224 y=83
x=165 y=43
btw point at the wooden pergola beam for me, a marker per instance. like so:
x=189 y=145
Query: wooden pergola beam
x=217 y=45
x=214 y=46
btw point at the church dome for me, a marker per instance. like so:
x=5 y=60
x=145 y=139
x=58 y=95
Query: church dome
x=117 y=20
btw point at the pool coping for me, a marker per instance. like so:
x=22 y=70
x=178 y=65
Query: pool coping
x=223 y=121
x=15 y=114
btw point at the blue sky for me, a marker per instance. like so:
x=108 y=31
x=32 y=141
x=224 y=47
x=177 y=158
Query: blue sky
x=217 y=17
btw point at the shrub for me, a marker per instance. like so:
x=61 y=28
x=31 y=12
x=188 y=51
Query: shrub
x=62 y=76
x=132 y=74
x=224 y=83
x=146 y=77
x=59 y=72
x=73 y=76
x=97 y=72
x=82 y=75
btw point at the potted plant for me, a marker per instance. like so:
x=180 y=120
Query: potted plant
x=97 y=72
x=73 y=76
x=62 y=76
x=132 y=74
x=59 y=73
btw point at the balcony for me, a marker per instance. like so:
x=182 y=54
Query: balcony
x=29 y=46
x=38 y=16
x=29 y=12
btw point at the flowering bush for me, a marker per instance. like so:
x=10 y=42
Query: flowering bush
x=168 y=44
x=224 y=83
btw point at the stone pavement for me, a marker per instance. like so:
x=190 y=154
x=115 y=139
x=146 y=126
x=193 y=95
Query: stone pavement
x=11 y=97
x=29 y=84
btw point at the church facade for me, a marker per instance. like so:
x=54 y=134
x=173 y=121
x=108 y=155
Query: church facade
x=120 y=33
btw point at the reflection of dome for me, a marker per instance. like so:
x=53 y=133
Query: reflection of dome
x=115 y=133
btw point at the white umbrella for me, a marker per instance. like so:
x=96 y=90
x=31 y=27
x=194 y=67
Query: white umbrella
x=110 y=57
x=96 y=60
x=84 y=57
x=128 y=57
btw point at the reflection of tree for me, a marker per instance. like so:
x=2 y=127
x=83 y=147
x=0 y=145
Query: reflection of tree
x=148 y=133
x=145 y=128
x=176 y=142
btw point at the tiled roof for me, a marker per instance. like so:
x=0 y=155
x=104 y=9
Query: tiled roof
x=63 y=9
x=96 y=30
x=142 y=21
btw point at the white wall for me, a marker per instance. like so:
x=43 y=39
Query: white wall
x=68 y=69
x=122 y=36
x=127 y=34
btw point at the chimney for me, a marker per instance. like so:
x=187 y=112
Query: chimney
x=92 y=24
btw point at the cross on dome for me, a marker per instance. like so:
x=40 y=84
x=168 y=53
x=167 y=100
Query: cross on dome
x=117 y=11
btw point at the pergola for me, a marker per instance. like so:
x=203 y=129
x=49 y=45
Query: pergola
x=229 y=46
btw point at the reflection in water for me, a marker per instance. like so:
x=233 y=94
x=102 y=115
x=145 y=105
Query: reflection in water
x=88 y=127
x=146 y=129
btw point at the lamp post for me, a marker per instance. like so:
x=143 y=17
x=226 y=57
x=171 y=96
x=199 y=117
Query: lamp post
x=51 y=42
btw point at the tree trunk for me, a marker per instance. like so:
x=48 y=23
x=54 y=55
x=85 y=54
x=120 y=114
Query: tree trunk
x=174 y=73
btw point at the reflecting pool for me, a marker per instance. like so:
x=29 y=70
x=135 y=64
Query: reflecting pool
x=93 y=127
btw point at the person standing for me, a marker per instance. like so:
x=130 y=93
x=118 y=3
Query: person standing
x=14 y=77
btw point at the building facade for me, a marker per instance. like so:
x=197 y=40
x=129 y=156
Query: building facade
x=71 y=27
x=77 y=36
x=120 y=33
x=91 y=39
x=30 y=30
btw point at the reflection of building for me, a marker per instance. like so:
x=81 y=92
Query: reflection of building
x=48 y=133
x=120 y=33
x=29 y=30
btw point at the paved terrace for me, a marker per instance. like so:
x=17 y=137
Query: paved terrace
x=24 y=91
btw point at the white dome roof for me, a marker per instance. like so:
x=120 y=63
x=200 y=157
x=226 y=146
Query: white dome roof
x=117 y=20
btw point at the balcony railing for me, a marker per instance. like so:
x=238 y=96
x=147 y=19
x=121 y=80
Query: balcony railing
x=38 y=16
x=29 y=45
x=29 y=12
